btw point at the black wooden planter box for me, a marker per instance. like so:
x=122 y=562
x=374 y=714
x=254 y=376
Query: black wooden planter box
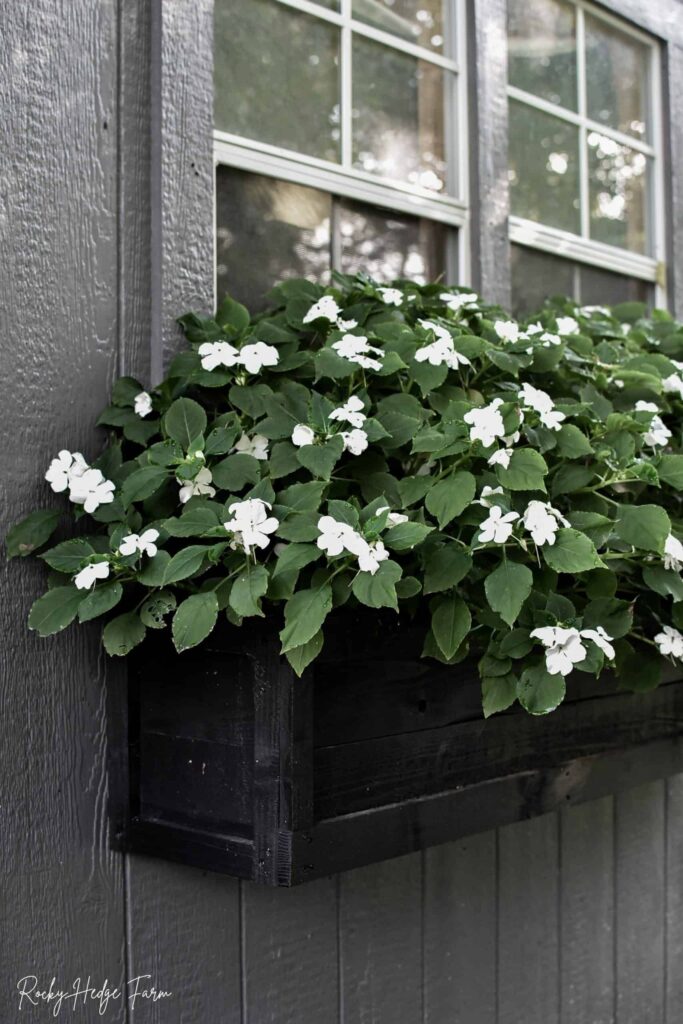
x=235 y=765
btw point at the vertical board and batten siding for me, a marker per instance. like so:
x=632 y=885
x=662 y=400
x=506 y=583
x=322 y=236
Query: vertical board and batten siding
x=106 y=227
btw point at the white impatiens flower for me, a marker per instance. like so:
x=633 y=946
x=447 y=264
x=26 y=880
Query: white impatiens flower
x=642 y=406
x=142 y=404
x=548 y=338
x=670 y=642
x=487 y=493
x=673 y=553
x=324 y=309
x=501 y=458
x=457 y=302
x=357 y=349
x=88 y=576
x=486 y=423
x=355 y=441
x=346 y=325
x=65 y=466
x=251 y=523
x=333 y=535
x=507 y=330
x=567 y=325
x=350 y=412
x=391 y=296
x=673 y=385
x=217 y=353
x=542 y=403
x=440 y=351
x=542 y=521
x=256 y=446
x=394 y=518
x=370 y=556
x=498 y=527
x=144 y=543
x=257 y=355
x=601 y=639
x=658 y=434
x=563 y=648
x=201 y=484
x=302 y=435
x=91 y=490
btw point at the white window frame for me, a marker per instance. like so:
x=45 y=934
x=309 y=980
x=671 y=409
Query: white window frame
x=341 y=179
x=581 y=248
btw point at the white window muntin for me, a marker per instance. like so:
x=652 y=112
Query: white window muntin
x=582 y=247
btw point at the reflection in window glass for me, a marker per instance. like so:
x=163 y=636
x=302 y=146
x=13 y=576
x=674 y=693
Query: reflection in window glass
x=617 y=183
x=267 y=231
x=542 y=49
x=284 y=95
x=388 y=245
x=616 y=78
x=398 y=115
x=417 y=21
x=544 y=168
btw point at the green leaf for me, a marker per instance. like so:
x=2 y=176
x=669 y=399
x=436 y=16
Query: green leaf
x=409 y=586
x=664 y=581
x=156 y=607
x=639 y=669
x=516 y=644
x=449 y=498
x=507 y=588
x=445 y=567
x=646 y=527
x=539 y=692
x=670 y=470
x=413 y=488
x=572 y=552
x=320 y=459
x=406 y=536
x=498 y=693
x=233 y=473
x=302 y=497
x=185 y=421
x=55 y=610
x=296 y=556
x=198 y=519
x=152 y=574
x=220 y=440
x=125 y=391
x=33 y=531
x=301 y=657
x=305 y=613
x=69 y=555
x=122 y=634
x=572 y=443
x=143 y=483
x=451 y=623
x=232 y=314
x=526 y=471
x=247 y=591
x=401 y=416
x=378 y=591
x=100 y=600
x=185 y=563
x=194 y=619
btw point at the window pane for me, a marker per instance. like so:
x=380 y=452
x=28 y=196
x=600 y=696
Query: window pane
x=387 y=245
x=418 y=21
x=277 y=76
x=616 y=78
x=617 y=182
x=267 y=231
x=542 y=48
x=537 y=276
x=603 y=288
x=544 y=183
x=398 y=115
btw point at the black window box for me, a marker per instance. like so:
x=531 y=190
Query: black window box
x=231 y=763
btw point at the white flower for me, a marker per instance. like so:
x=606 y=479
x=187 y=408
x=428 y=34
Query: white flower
x=533 y=329
x=394 y=518
x=302 y=435
x=601 y=639
x=673 y=553
x=356 y=349
x=145 y=543
x=543 y=404
x=201 y=484
x=670 y=641
x=391 y=296
x=456 y=302
x=486 y=423
x=370 y=556
x=563 y=648
x=350 y=412
x=567 y=325
x=257 y=355
x=658 y=434
x=542 y=521
x=62 y=469
x=324 y=309
x=501 y=458
x=642 y=406
x=673 y=385
x=91 y=490
x=507 y=330
x=487 y=493
x=88 y=576
x=333 y=536
x=440 y=351
x=355 y=441
x=143 y=404
x=346 y=325
x=498 y=526
x=256 y=446
x=590 y=310
x=251 y=523
x=217 y=353
x=547 y=339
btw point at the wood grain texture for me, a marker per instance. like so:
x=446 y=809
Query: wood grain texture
x=587 y=936
x=673 y=112
x=460 y=925
x=528 y=890
x=639 y=904
x=62 y=906
x=673 y=935
x=380 y=938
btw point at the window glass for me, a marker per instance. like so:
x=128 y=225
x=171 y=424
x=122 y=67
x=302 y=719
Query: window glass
x=284 y=95
x=387 y=245
x=617 y=180
x=423 y=22
x=542 y=49
x=616 y=78
x=544 y=168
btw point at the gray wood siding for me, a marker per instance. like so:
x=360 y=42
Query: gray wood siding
x=573 y=918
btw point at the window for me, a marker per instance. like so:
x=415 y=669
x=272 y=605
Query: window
x=584 y=153
x=340 y=141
